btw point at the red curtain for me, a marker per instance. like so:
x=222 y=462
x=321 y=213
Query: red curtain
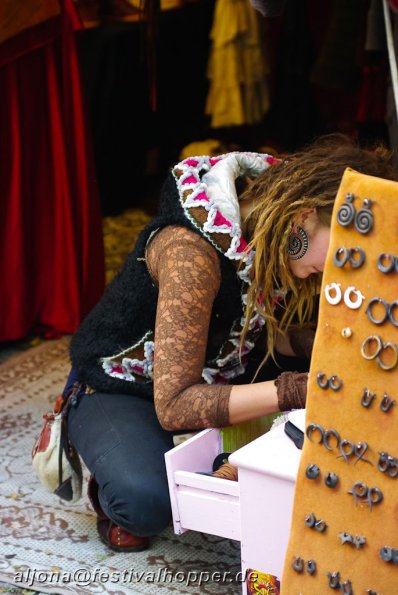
x=51 y=257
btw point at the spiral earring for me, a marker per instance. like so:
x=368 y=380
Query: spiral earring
x=364 y=218
x=347 y=212
x=298 y=244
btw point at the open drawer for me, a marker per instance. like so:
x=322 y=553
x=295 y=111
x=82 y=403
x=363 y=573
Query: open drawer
x=200 y=502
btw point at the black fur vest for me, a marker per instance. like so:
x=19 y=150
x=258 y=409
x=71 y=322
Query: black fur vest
x=112 y=351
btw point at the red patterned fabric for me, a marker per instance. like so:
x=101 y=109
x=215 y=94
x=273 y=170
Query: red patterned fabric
x=51 y=256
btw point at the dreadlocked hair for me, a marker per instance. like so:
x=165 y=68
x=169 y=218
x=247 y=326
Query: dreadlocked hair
x=306 y=179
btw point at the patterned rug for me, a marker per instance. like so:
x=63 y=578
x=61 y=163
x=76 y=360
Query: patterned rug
x=52 y=547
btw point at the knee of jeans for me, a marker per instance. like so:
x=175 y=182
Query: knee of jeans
x=142 y=509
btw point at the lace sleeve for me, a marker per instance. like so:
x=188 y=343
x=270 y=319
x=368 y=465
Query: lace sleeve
x=187 y=270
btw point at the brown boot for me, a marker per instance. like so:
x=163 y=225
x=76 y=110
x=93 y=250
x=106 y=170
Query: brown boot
x=112 y=535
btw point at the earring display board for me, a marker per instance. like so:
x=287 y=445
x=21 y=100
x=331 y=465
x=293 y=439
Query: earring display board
x=344 y=533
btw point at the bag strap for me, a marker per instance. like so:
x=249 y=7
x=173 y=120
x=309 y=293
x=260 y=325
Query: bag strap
x=64 y=404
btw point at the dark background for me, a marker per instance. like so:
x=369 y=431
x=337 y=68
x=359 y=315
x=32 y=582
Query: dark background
x=322 y=79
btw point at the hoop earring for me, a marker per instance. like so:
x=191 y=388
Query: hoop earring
x=358 y=295
x=298 y=244
x=336 y=298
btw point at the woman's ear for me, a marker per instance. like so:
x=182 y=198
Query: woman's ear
x=303 y=216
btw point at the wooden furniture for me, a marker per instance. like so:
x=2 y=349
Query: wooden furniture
x=256 y=510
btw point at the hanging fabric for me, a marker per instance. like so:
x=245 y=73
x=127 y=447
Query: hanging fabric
x=51 y=255
x=237 y=70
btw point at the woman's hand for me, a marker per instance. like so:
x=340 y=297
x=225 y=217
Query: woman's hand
x=249 y=401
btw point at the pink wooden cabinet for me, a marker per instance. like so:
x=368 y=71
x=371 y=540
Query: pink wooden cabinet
x=256 y=510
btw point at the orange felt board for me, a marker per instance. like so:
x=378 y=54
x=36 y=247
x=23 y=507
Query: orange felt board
x=343 y=412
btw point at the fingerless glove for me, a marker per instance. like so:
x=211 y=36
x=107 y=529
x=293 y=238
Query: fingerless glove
x=291 y=388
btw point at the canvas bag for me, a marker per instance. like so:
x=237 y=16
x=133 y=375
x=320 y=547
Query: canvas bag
x=54 y=459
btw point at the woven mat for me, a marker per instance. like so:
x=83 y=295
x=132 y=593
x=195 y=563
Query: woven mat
x=52 y=547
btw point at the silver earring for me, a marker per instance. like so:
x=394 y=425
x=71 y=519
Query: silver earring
x=364 y=218
x=346 y=213
x=298 y=244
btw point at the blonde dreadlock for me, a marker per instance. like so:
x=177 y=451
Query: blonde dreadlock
x=306 y=179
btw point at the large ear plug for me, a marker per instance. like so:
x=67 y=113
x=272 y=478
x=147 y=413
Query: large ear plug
x=298 y=244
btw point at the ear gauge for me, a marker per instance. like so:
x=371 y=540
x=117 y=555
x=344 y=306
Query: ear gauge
x=386 y=403
x=311 y=567
x=389 y=554
x=320 y=526
x=370 y=310
x=331 y=480
x=388 y=464
x=298 y=244
x=298 y=564
x=367 y=398
x=312 y=471
x=326 y=439
x=312 y=428
x=313 y=523
x=346 y=587
x=334 y=579
x=371 y=347
x=334 y=382
x=341 y=256
x=310 y=520
x=322 y=380
x=355 y=256
x=386 y=263
x=386 y=554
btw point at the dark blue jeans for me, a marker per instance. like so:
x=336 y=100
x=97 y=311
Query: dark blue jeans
x=120 y=440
